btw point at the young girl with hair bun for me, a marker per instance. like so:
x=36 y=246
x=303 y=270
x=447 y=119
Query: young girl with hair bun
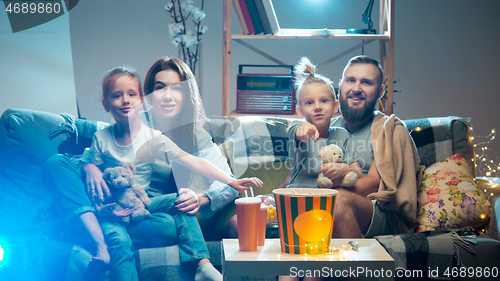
x=317 y=104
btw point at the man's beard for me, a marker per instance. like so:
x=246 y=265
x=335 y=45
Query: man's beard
x=355 y=116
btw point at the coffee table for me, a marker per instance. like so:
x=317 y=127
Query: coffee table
x=371 y=260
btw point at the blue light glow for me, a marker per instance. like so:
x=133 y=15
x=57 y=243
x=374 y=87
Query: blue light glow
x=1 y=255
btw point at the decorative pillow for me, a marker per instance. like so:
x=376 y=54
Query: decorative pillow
x=449 y=197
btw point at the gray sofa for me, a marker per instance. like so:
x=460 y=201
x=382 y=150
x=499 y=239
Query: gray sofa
x=28 y=138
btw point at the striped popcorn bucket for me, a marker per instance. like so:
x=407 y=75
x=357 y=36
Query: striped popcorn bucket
x=305 y=219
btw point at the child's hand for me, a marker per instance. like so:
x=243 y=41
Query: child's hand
x=334 y=171
x=109 y=210
x=241 y=184
x=305 y=131
x=96 y=185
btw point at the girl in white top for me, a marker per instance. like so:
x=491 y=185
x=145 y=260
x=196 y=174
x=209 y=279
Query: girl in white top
x=128 y=140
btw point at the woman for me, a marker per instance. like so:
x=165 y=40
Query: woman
x=174 y=107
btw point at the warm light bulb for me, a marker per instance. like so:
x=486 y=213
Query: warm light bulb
x=418 y=129
x=483 y=216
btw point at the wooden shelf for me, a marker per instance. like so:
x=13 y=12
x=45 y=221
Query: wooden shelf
x=233 y=113
x=386 y=56
x=338 y=36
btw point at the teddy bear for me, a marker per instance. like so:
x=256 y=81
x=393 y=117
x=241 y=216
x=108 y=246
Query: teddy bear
x=333 y=154
x=125 y=193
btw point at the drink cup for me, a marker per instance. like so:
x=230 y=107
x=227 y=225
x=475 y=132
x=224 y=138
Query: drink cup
x=261 y=235
x=247 y=210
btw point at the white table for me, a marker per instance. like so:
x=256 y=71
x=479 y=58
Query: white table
x=269 y=260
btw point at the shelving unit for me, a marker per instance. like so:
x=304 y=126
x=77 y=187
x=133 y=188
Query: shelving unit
x=386 y=56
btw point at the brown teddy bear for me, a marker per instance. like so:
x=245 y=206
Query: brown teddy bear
x=333 y=154
x=125 y=193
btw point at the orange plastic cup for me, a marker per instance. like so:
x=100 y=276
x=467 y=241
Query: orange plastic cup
x=247 y=210
x=261 y=235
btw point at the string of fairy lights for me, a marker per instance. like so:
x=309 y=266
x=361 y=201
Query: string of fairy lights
x=486 y=160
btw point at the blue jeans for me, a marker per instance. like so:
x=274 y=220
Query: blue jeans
x=63 y=180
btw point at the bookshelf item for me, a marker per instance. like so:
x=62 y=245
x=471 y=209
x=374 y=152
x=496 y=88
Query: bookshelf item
x=325 y=32
x=385 y=37
x=240 y=18
x=246 y=17
x=258 y=92
x=271 y=16
x=263 y=16
x=254 y=16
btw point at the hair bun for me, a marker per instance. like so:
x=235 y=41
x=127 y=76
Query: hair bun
x=304 y=67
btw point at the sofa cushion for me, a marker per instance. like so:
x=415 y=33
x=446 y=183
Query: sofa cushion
x=449 y=197
x=29 y=137
x=437 y=138
x=25 y=141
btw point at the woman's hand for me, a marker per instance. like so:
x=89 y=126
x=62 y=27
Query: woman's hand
x=242 y=184
x=109 y=210
x=96 y=185
x=189 y=202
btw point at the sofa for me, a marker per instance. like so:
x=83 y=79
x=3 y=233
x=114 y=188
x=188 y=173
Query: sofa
x=253 y=145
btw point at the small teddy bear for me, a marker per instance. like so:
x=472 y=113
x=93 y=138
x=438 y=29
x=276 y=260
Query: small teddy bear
x=125 y=193
x=333 y=154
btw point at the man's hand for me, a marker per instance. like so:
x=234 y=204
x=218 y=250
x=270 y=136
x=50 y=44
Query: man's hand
x=109 y=210
x=96 y=185
x=305 y=131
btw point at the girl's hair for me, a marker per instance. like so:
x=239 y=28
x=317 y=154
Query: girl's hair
x=192 y=111
x=110 y=77
x=305 y=74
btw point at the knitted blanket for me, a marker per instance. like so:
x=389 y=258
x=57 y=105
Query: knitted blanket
x=433 y=253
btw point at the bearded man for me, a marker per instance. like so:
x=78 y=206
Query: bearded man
x=384 y=200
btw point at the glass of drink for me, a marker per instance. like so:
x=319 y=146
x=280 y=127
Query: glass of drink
x=247 y=210
x=261 y=235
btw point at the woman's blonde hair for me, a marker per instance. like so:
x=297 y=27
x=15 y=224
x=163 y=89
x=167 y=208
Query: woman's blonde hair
x=305 y=74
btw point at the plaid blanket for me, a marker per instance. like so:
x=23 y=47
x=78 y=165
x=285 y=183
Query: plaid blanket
x=256 y=139
x=429 y=251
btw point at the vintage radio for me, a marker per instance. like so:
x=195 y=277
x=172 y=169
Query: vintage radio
x=265 y=93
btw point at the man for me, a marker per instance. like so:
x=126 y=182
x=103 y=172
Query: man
x=384 y=201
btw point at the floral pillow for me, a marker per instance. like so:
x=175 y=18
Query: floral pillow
x=449 y=197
